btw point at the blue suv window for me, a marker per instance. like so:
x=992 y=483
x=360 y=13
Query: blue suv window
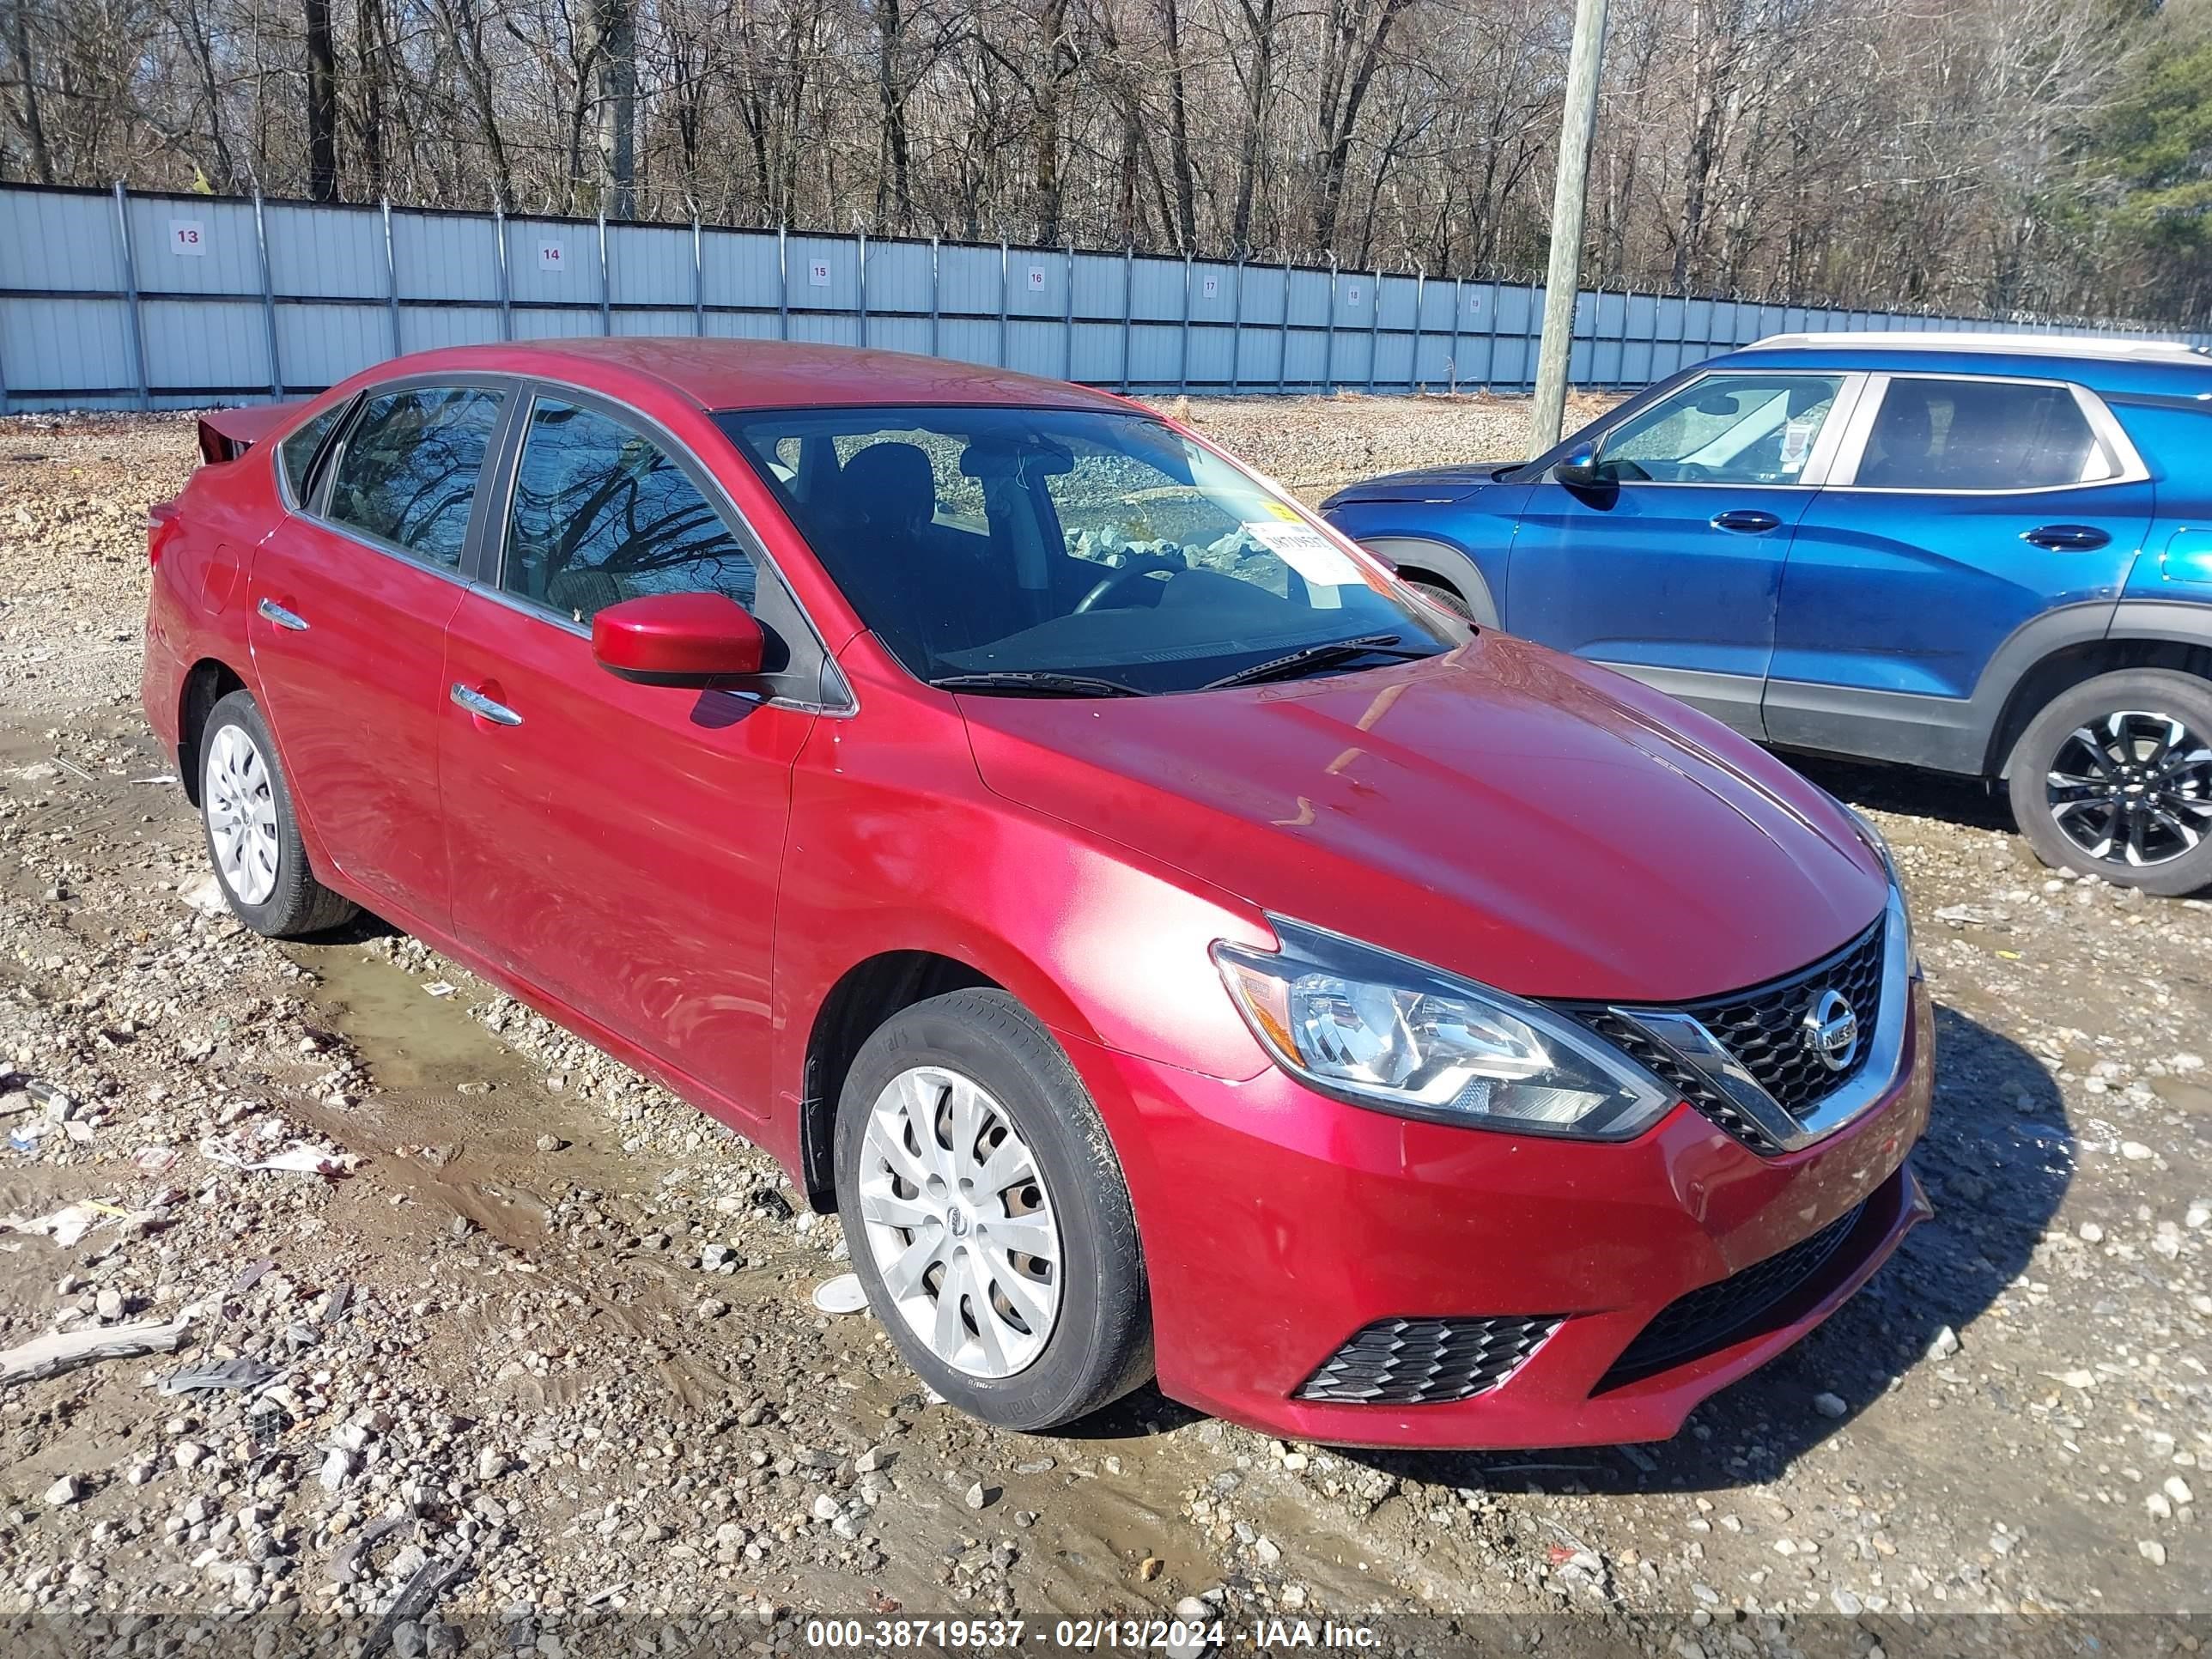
x=1933 y=433
x=1724 y=428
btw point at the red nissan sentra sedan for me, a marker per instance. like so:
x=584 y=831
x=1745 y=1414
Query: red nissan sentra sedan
x=1171 y=946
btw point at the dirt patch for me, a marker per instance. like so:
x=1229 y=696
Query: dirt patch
x=558 y=1323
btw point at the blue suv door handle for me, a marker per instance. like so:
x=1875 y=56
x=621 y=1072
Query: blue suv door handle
x=1747 y=520
x=2068 y=537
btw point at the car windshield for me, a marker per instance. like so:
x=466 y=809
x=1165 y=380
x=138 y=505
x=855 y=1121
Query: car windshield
x=1070 y=552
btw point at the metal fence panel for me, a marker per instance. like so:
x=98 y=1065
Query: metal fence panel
x=197 y=247
x=237 y=299
x=320 y=345
x=69 y=346
x=60 y=241
x=1157 y=290
x=968 y=281
x=329 y=253
x=740 y=269
x=203 y=348
x=650 y=323
x=650 y=266
x=444 y=256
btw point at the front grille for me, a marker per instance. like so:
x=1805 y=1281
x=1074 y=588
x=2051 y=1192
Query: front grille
x=1715 y=1314
x=1424 y=1362
x=1762 y=1028
x=1686 y=1080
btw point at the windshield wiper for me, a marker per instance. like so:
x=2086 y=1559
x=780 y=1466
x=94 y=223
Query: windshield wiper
x=1319 y=656
x=1041 y=683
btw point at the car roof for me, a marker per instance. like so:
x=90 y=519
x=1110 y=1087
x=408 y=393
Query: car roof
x=721 y=375
x=2007 y=345
x=2113 y=366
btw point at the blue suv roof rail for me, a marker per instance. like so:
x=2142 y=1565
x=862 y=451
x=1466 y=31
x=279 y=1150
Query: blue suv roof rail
x=2009 y=345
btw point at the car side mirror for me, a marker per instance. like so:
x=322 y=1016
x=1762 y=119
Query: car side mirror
x=1578 y=468
x=679 y=639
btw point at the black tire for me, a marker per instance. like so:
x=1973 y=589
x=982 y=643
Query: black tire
x=297 y=903
x=1448 y=599
x=2050 y=740
x=1101 y=1344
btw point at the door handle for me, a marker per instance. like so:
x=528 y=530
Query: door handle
x=2068 y=537
x=477 y=703
x=270 y=611
x=1747 y=520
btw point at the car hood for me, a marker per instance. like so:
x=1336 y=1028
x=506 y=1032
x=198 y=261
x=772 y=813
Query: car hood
x=1427 y=483
x=1536 y=823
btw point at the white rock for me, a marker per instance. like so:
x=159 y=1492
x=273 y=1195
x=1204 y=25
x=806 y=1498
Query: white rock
x=1945 y=1344
x=491 y=1463
x=337 y=1469
x=2135 y=1151
x=64 y=1493
x=189 y=1453
x=2090 y=1233
x=2152 y=1551
x=2178 y=1490
x=825 y=1506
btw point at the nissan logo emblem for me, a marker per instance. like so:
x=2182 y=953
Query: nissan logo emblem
x=1831 y=1031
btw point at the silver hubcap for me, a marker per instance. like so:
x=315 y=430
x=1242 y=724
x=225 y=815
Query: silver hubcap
x=2135 y=788
x=959 y=1222
x=241 y=814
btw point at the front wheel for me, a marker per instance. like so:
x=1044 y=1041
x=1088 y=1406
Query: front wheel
x=2114 y=779
x=988 y=1216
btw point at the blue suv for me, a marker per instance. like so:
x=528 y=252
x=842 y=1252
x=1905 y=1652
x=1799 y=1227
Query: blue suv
x=1979 y=553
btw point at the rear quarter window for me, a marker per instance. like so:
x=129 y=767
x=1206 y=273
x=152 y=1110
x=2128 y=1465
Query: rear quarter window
x=296 y=455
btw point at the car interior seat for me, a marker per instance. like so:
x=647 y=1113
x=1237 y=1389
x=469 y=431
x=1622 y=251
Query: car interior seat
x=1900 y=449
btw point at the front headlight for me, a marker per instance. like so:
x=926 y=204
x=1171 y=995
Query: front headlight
x=1878 y=844
x=1374 y=1029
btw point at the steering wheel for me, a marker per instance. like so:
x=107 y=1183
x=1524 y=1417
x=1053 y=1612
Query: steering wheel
x=1140 y=565
x=1694 y=472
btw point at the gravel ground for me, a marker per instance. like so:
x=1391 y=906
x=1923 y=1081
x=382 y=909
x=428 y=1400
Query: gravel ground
x=536 y=1355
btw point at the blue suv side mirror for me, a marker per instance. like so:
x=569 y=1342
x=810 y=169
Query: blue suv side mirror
x=1578 y=468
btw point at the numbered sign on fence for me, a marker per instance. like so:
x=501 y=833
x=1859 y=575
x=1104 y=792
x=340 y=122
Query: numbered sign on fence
x=817 y=273
x=551 y=257
x=1351 y=295
x=1211 y=288
x=1037 y=279
x=188 y=237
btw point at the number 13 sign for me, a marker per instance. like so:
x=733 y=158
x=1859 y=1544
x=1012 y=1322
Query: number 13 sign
x=188 y=237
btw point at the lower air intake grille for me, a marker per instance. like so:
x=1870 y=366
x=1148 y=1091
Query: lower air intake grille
x=1713 y=1315
x=1421 y=1362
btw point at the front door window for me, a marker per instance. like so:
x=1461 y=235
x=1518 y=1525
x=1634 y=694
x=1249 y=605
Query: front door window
x=1724 y=429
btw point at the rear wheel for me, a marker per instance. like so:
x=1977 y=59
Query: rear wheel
x=252 y=834
x=988 y=1216
x=2114 y=779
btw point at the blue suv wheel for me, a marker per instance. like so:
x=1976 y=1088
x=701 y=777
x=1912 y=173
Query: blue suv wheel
x=2114 y=779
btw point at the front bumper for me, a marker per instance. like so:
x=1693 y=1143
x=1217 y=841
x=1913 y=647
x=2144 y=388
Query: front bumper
x=1276 y=1225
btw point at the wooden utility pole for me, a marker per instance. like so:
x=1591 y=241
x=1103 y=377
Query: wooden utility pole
x=1578 y=122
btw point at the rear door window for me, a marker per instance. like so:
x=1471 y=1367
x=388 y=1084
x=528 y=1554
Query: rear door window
x=602 y=514
x=1934 y=434
x=408 y=477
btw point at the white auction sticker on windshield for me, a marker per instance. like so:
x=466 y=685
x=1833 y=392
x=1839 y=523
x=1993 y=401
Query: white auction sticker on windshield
x=1309 y=552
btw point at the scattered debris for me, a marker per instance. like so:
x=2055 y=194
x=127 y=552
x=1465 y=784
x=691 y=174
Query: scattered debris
x=243 y=1372
x=64 y=1350
x=840 y=1295
x=301 y=1157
